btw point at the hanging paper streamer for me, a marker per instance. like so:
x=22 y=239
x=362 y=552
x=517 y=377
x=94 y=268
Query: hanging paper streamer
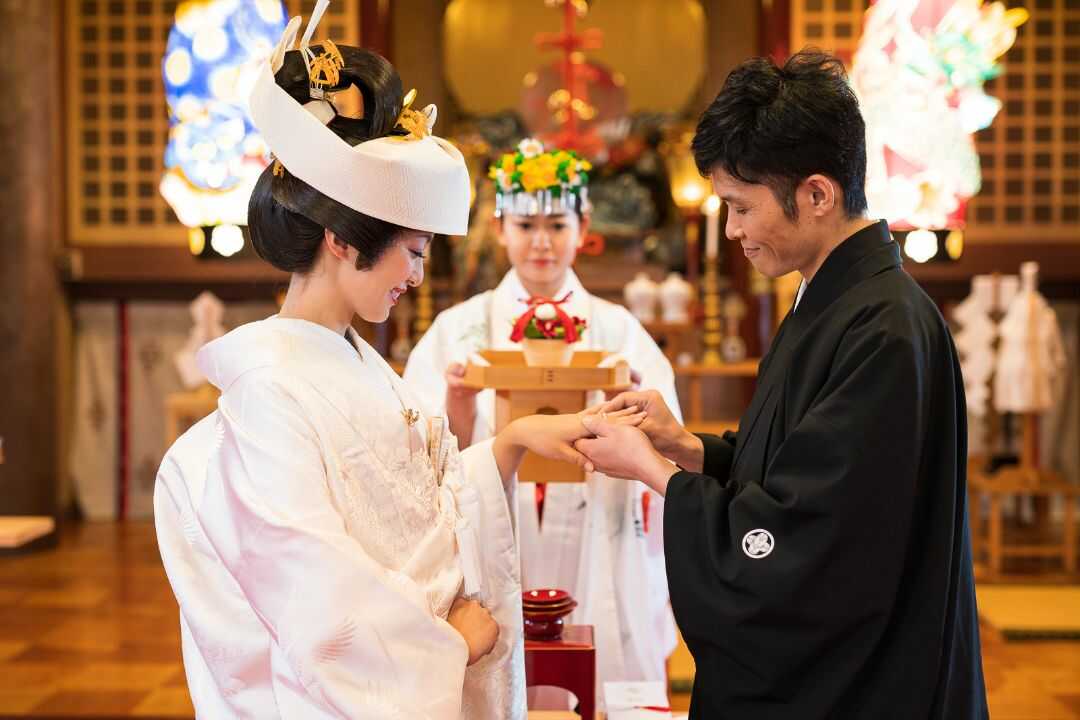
x=919 y=74
x=214 y=154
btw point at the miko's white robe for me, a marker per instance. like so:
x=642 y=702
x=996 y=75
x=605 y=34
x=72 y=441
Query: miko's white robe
x=592 y=541
x=312 y=553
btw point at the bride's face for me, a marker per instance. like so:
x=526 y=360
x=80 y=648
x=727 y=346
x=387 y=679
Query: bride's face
x=373 y=292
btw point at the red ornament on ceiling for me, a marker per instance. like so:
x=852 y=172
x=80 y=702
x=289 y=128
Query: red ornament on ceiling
x=566 y=103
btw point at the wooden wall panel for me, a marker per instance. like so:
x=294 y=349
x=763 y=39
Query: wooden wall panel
x=1031 y=154
x=117 y=121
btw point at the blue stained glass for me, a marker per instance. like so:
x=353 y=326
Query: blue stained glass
x=214 y=153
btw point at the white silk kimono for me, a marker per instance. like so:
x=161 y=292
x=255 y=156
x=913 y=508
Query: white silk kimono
x=314 y=555
x=595 y=539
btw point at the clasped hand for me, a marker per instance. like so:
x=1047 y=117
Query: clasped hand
x=638 y=450
x=553 y=436
x=630 y=436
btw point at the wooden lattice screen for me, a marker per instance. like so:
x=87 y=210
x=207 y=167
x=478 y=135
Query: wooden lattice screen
x=117 y=121
x=1031 y=154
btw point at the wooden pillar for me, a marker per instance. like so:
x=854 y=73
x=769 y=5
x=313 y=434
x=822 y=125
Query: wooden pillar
x=416 y=36
x=376 y=29
x=995 y=557
x=774 y=29
x=732 y=27
x=31 y=312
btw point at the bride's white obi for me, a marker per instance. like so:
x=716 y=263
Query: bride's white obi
x=313 y=551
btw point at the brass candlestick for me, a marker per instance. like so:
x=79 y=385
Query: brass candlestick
x=733 y=348
x=712 y=336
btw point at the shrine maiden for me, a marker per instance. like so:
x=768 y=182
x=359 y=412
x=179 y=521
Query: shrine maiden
x=332 y=554
x=601 y=540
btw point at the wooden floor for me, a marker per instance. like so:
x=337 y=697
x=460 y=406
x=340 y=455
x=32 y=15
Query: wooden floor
x=90 y=631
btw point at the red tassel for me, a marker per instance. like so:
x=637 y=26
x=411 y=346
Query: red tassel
x=541 y=492
x=646 y=498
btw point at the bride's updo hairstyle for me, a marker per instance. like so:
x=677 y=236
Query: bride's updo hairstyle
x=287 y=216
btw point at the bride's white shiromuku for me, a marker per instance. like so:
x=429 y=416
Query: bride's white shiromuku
x=312 y=550
x=314 y=541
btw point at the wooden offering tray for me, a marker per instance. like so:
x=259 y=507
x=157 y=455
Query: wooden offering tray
x=522 y=390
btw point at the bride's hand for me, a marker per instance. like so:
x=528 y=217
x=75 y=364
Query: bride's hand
x=553 y=436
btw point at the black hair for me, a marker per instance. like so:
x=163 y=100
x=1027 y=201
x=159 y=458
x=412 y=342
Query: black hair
x=776 y=126
x=286 y=216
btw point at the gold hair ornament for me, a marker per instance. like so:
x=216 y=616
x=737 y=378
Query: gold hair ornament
x=325 y=70
x=413 y=121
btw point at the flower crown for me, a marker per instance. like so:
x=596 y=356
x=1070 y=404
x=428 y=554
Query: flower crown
x=534 y=182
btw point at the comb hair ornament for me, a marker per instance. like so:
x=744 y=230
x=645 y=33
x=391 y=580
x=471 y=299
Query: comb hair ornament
x=417 y=123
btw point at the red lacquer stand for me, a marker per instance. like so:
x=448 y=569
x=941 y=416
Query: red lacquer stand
x=568 y=663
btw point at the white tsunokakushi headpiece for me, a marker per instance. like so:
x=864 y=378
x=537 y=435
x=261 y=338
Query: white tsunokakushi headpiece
x=417 y=181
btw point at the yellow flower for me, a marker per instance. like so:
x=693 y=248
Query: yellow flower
x=548 y=168
x=508 y=164
x=531 y=179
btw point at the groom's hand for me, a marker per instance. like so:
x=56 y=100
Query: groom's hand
x=553 y=436
x=624 y=451
x=663 y=430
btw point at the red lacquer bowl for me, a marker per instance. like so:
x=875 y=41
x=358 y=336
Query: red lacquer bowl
x=544 y=596
x=547 y=606
x=537 y=629
x=546 y=613
x=544 y=620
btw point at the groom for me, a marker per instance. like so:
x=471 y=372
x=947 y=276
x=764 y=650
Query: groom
x=818 y=559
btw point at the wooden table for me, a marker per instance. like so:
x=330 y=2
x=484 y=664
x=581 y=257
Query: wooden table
x=694 y=411
x=18 y=530
x=568 y=663
x=989 y=545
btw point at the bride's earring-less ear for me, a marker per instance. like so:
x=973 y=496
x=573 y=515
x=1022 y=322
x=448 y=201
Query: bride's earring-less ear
x=336 y=246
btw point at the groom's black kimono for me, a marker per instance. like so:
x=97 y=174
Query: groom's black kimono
x=820 y=567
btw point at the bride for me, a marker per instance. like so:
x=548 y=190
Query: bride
x=331 y=552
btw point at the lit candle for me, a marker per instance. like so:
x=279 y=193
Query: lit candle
x=711 y=208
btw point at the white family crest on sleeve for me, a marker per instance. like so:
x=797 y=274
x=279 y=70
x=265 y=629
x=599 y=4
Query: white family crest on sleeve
x=758 y=544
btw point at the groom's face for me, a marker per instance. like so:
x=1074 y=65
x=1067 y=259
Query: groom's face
x=774 y=244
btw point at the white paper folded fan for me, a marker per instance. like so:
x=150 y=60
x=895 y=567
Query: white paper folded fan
x=417 y=181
